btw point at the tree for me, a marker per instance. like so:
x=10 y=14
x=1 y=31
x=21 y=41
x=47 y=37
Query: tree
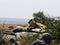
x=40 y=17
x=53 y=25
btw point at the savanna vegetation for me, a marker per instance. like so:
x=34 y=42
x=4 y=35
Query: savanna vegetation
x=52 y=27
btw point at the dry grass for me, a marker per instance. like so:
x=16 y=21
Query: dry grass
x=5 y=26
x=26 y=40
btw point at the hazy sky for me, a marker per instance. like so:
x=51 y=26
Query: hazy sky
x=26 y=8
